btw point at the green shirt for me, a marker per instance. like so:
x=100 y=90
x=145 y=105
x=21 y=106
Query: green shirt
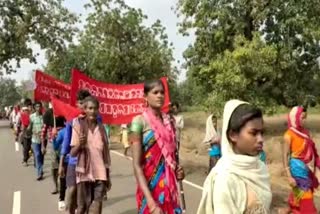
x=36 y=123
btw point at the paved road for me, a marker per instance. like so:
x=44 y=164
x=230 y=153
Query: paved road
x=22 y=194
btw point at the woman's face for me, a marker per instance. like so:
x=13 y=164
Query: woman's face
x=249 y=141
x=155 y=97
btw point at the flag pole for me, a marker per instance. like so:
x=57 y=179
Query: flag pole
x=182 y=198
x=54 y=121
x=54 y=118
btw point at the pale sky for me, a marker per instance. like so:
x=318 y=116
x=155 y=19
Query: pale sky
x=160 y=9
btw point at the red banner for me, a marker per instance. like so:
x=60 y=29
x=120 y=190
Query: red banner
x=118 y=103
x=46 y=86
x=61 y=108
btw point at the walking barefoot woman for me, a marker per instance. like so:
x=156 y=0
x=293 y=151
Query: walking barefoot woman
x=299 y=152
x=154 y=156
x=239 y=183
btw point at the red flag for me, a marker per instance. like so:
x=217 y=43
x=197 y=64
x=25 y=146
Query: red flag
x=63 y=109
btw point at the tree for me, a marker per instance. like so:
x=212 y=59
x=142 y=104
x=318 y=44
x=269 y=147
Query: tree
x=43 y=22
x=117 y=47
x=263 y=51
x=188 y=93
x=26 y=88
x=8 y=92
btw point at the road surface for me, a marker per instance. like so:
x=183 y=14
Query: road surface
x=22 y=194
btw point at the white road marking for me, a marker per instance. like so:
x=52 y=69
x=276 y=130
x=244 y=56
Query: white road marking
x=193 y=185
x=184 y=181
x=16 y=144
x=16 y=202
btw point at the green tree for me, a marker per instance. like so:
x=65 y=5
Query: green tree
x=22 y=23
x=8 y=92
x=189 y=93
x=265 y=52
x=117 y=47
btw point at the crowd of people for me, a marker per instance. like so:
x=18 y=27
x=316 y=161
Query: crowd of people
x=78 y=151
x=238 y=180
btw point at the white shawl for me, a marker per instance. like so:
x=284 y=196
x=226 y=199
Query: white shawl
x=211 y=132
x=225 y=188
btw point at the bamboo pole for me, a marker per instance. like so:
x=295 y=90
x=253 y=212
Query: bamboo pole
x=181 y=190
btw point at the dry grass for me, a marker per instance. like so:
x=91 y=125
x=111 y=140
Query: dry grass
x=194 y=132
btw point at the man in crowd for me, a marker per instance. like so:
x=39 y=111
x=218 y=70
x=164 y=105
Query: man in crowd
x=47 y=135
x=89 y=144
x=23 y=133
x=15 y=114
x=71 y=194
x=35 y=127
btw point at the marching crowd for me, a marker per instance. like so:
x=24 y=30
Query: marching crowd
x=238 y=180
x=78 y=151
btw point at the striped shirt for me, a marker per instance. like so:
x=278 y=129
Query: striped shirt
x=36 y=124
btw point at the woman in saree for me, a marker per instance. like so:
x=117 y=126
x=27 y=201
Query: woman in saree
x=154 y=156
x=239 y=183
x=299 y=153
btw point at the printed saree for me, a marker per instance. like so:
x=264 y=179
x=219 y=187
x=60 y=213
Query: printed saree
x=303 y=153
x=154 y=168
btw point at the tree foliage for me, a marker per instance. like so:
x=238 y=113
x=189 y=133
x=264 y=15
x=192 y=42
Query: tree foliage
x=262 y=51
x=8 y=92
x=188 y=93
x=117 y=47
x=23 y=23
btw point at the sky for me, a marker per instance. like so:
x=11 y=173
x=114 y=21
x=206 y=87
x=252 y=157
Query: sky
x=161 y=9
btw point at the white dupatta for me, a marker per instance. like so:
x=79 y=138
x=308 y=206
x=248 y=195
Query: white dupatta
x=211 y=132
x=235 y=173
